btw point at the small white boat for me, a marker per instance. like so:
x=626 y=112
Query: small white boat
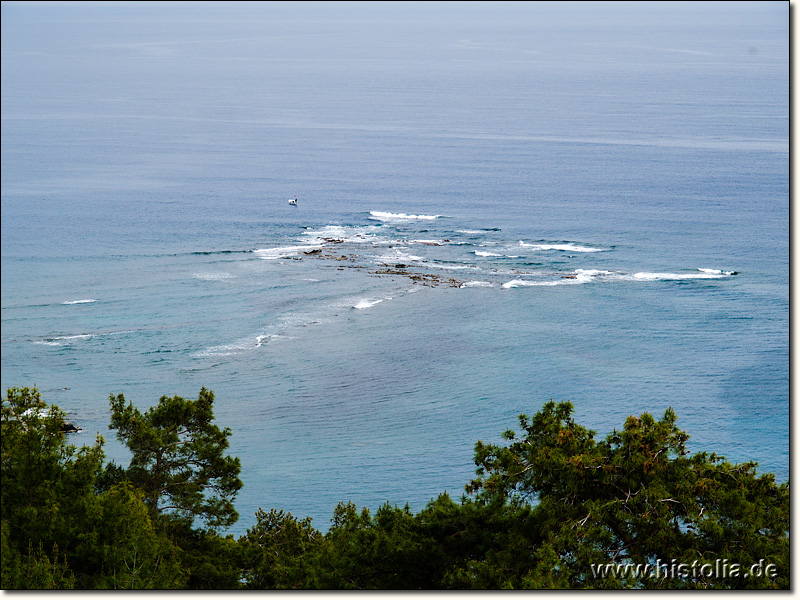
x=293 y=201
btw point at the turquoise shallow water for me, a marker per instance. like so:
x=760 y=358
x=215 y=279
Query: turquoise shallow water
x=497 y=206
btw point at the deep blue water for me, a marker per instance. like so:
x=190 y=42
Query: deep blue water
x=591 y=203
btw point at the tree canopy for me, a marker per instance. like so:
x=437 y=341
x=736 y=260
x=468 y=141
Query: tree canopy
x=178 y=457
x=637 y=497
x=550 y=507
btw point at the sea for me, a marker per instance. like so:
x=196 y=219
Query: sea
x=498 y=205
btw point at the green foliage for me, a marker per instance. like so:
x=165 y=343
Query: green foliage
x=548 y=508
x=34 y=570
x=70 y=522
x=386 y=551
x=277 y=553
x=483 y=545
x=211 y=560
x=178 y=458
x=636 y=497
x=134 y=554
x=47 y=489
x=446 y=545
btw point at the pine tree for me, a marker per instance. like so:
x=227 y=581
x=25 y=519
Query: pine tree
x=640 y=498
x=178 y=458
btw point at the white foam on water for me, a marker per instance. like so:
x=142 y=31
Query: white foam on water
x=39 y=413
x=398 y=256
x=213 y=276
x=560 y=247
x=64 y=340
x=284 y=252
x=87 y=301
x=564 y=280
x=716 y=272
x=521 y=283
x=448 y=267
x=242 y=345
x=513 y=272
x=367 y=303
x=482 y=253
x=472 y=284
x=430 y=242
x=391 y=217
x=345 y=233
x=587 y=275
x=703 y=274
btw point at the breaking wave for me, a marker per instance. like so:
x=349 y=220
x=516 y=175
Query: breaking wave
x=398 y=256
x=561 y=247
x=64 y=340
x=285 y=251
x=343 y=233
x=393 y=217
x=703 y=274
x=213 y=276
x=580 y=276
x=367 y=303
x=242 y=345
